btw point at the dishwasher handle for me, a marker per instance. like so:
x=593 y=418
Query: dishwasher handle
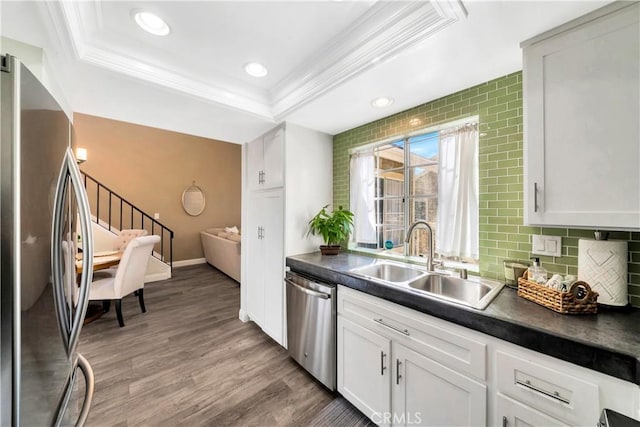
x=308 y=291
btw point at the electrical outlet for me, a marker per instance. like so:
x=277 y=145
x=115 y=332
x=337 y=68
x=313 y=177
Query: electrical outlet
x=546 y=245
x=156 y=215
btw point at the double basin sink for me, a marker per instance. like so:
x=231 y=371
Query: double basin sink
x=474 y=292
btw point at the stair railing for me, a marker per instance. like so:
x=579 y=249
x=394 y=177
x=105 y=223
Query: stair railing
x=121 y=214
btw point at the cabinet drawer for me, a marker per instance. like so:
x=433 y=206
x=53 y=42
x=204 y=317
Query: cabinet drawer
x=437 y=339
x=512 y=413
x=554 y=392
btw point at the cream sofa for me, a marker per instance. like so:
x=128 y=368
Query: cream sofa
x=222 y=250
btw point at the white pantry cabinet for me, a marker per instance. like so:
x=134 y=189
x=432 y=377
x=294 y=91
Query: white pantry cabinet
x=264 y=248
x=581 y=91
x=287 y=178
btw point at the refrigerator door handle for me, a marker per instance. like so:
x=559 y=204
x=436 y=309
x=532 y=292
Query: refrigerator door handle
x=70 y=328
x=87 y=249
x=56 y=256
x=89 y=379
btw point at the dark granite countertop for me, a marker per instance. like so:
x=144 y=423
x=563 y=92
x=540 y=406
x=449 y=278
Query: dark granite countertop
x=608 y=342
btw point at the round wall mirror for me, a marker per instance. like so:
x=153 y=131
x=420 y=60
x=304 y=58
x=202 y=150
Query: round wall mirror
x=193 y=200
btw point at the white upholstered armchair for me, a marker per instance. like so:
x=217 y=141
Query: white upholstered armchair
x=128 y=278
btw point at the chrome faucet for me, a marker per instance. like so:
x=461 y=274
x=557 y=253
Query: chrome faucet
x=430 y=231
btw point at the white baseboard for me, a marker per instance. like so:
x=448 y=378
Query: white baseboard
x=243 y=316
x=186 y=262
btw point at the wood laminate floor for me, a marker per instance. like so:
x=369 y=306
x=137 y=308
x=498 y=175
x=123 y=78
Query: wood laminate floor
x=190 y=361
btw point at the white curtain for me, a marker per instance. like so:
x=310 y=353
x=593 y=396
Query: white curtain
x=457 y=224
x=361 y=197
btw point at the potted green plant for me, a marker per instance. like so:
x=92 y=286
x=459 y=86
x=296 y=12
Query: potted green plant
x=334 y=227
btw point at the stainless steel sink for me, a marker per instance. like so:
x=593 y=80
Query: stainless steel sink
x=474 y=293
x=389 y=272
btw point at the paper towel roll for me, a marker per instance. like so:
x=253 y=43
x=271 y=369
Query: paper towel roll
x=603 y=265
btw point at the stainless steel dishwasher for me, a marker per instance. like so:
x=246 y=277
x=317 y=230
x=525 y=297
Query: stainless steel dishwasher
x=311 y=326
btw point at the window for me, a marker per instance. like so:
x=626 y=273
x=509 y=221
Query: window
x=432 y=176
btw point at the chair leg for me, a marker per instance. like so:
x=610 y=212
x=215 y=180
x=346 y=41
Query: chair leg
x=119 y=312
x=106 y=305
x=141 y=300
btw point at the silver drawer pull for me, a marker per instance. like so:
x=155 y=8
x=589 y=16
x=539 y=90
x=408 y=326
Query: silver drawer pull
x=382 y=367
x=382 y=322
x=552 y=394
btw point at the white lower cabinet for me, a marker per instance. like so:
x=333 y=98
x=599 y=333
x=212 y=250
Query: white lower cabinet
x=394 y=384
x=554 y=390
x=405 y=368
x=515 y=414
x=427 y=393
x=364 y=373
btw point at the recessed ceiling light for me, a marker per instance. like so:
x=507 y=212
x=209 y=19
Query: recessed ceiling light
x=381 y=102
x=255 y=69
x=151 y=23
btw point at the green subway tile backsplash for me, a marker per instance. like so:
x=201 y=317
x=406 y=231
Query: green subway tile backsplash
x=498 y=103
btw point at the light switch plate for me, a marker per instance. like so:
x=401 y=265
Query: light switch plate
x=546 y=245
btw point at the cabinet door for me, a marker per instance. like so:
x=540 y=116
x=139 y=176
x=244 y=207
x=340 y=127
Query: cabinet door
x=582 y=133
x=427 y=393
x=364 y=370
x=273 y=272
x=254 y=280
x=255 y=164
x=274 y=159
x=510 y=413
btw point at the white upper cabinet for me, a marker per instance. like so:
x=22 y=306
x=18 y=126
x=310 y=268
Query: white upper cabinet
x=255 y=164
x=581 y=122
x=273 y=159
x=265 y=161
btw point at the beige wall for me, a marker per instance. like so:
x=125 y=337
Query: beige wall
x=151 y=168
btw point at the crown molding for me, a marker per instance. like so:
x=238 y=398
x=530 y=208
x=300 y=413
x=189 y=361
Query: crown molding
x=208 y=91
x=385 y=30
x=68 y=21
x=67 y=33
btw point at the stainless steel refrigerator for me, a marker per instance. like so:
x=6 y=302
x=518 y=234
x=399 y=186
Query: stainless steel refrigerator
x=42 y=302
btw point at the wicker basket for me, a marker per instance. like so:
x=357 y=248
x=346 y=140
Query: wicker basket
x=579 y=300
